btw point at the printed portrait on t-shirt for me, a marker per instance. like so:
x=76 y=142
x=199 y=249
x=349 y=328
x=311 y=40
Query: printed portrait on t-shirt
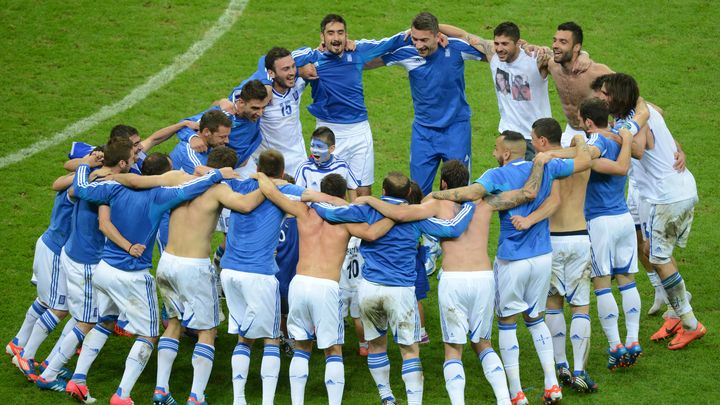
x=521 y=88
x=502 y=82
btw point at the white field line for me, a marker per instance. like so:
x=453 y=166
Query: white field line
x=233 y=11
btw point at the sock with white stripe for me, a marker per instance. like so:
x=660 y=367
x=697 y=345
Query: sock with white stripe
x=69 y=326
x=379 y=366
x=678 y=298
x=334 y=379
x=555 y=321
x=134 y=365
x=510 y=353
x=608 y=314
x=202 y=361
x=167 y=351
x=34 y=312
x=412 y=375
x=68 y=345
x=580 y=340
x=43 y=326
x=495 y=374
x=92 y=344
x=269 y=371
x=631 y=308
x=298 y=374
x=455 y=381
x=544 y=348
x=240 y=366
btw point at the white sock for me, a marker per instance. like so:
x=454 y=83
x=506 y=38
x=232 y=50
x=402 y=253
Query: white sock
x=608 y=314
x=580 y=340
x=631 y=308
x=167 y=351
x=660 y=296
x=412 y=375
x=202 y=361
x=334 y=379
x=92 y=344
x=495 y=374
x=269 y=371
x=68 y=345
x=134 y=365
x=34 y=312
x=379 y=366
x=240 y=367
x=43 y=326
x=69 y=325
x=544 y=348
x=510 y=353
x=298 y=374
x=678 y=298
x=555 y=321
x=455 y=381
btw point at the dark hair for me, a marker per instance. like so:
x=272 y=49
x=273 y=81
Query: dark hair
x=426 y=22
x=512 y=136
x=334 y=184
x=415 y=194
x=118 y=149
x=596 y=110
x=548 y=128
x=508 y=29
x=622 y=91
x=577 y=32
x=121 y=130
x=222 y=156
x=253 y=90
x=396 y=185
x=213 y=120
x=324 y=134
x=273 y=55
x=155 y=164
x=454 y=173
x=290 y=179
x=331 y=18
x=272 y=163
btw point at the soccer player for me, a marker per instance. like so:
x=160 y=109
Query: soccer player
x=125 y=288
x=214 y=130
x=248 y=278
x=323 y=161
x=467 y=287
x=338 y=97
x=523 y=262
x=350 y=278
x=387 y=299
x=671 y=196
x=314 y=294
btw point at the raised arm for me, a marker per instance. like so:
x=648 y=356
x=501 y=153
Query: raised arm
x=483 y=45
x=403 y=212
x=472 y=192
x=545 y=210
x=63 y=182
x=268 y=188
x=111 y=232
x=622 y=165
x=169 y=179
x=369 y=232
x=163 y=134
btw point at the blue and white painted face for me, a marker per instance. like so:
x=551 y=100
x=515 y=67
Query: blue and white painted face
x=320 y=151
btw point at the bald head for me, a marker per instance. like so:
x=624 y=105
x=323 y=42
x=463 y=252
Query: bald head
x=396 y=185
x=509 y=145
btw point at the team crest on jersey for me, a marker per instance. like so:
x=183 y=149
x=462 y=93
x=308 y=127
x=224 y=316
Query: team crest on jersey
x=295 y=95
x=447 y=52
x=349 y=58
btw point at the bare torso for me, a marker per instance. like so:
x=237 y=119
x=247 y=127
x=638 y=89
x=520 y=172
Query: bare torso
x=192 y=225
x=322 y=247
x=469 y=251
x=570 y=215
x=573 y=88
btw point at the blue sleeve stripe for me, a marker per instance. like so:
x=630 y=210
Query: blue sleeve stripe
x=191 y=154
x=464 y=211
x=301 y=52
x=191 y=182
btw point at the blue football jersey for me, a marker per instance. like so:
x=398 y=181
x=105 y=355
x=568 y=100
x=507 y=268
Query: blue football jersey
x=605 y=194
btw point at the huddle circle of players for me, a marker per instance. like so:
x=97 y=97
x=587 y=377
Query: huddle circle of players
x=565 y=224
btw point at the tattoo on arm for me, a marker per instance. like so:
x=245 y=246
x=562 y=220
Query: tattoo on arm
x=505 y=201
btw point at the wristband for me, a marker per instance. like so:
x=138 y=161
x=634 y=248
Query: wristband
x=128 y=249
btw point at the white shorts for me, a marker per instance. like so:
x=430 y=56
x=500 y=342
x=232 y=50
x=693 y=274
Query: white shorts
x=82 y=300
x=129 y=297
x=669 y=226
x=350 y=303
x=522 y=285
x=354 y=143
x=254 y=303
x=315 y=311
x=633 y=200
x=51 y=283
x=466 y=305
x=568 y=135
x=383 y=307
x=189 y=291
x=613 y=245
x=644 y=216
x=571 y=268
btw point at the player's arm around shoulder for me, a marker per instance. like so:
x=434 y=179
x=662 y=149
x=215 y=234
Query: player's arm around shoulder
x=545 y=210
x=402 y=212
x=170 y=179
x=236 y=201
x=369 y=232
x=272 y=193
x=472 y=192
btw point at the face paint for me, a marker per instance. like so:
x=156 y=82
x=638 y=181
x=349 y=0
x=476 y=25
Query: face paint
x=319 y=150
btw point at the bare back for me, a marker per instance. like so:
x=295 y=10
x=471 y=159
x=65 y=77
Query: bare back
x=573 y=88
x=322 y=247
x=570 y=214
x=468 y=252
x=192 y=225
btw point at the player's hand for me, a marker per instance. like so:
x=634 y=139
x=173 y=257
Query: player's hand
x=195 y=126
x=443 y=40
x=308 y=72
x=94 y=159
x=679 y=164
x=542 y=157
x=197 y=144
x=136 y=250
x=520 y=223
x=229 y=173
x=582 y=63
x=202 y=170
x=350 y=45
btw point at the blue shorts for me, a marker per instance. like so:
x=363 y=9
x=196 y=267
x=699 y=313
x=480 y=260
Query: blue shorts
x=429 y=146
